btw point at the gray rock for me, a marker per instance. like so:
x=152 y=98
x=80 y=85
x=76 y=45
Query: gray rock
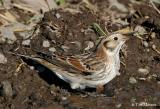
x=7 y=90
x=153 y=35
x=32 y=67
x=2 y=40
x=118 y=5
x=52 y=49
x=46 y=44
x=64 y=98
x=154 y=47
x=89 y=45
x=132 y=80
x=26 y=42
x=145 y=44
x=7 y=33
x=119 y=105
x=58 y=15
x=143 y=71
x=3 y=59
x=140 y=30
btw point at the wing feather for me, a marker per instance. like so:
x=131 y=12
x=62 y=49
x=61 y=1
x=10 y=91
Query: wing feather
x=84 y=65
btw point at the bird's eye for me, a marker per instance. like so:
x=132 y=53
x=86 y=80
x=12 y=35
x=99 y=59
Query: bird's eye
x=115 y=38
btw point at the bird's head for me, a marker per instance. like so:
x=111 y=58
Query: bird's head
x=114 y=42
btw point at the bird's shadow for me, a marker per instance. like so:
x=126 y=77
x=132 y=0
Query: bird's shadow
x=51 y=78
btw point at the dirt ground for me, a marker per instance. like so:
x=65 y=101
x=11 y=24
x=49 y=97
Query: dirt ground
x=67 y=30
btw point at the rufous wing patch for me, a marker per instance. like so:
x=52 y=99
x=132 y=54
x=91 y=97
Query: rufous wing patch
x=76 y=63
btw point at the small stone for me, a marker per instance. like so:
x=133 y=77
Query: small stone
x=32 y=67
x=8 y=34
x=148 y=50
x=133 y=100
x=142 y=79
x=46 y=44
x=132 y=80
x=26 y=42
x=143 y=71
x=89 y=45
x=64 y=98
x=3 y=59
x=58 y=15
x=119 y=105
x=141 y=30
x=145 y=44
x=153 y=35
x=6 y=89
x=2 y=40
x=52 y=49
x=154 y=46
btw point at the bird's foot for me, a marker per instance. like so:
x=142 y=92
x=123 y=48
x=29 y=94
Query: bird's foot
x=100 y=89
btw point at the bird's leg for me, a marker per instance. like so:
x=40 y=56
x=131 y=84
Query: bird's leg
x=100 y=89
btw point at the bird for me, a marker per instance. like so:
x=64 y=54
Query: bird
x=92 y=69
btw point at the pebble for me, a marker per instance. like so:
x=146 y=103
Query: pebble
x=132 y=80
x=143 y=71
x=119 y=105
x=154 y=46
x=147 y=50
x=142 y=79
x=7 y=33
x=52 y=49
x=89 y=45
x=3 y=59
x=145 y=44
x=2 y=40
x=26 y=42
x=140 y=30
x=58 y=15
x=153 y=35
x=133 y=100
x=7 y=88
x=46 y=44
x=32 y=67
x=64 y=98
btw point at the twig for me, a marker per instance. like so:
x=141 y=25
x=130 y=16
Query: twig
x=153 y=5
x=123 y=63
x=48 y=5
x=5 y=18
x=19 y=67
x=89 y=5
x=156 y=50
x=24 y=8
x=139 y=37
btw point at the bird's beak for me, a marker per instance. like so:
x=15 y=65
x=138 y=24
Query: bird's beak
x=131 y=33
x=127 y=33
